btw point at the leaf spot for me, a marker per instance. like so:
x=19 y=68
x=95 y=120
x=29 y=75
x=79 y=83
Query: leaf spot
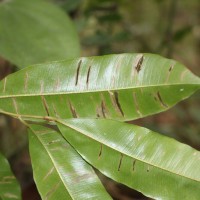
x=48 y=173
x=169 y=72
x=120 y=162
x=15 y=105
x=139 y=63
x=161 y=101
x=77 y=72
x=134 y=161
x=26 y=81
x=53 y=189
x=53 y=141
x=4 y=85
x=136 y=104
x=88 y=76
x=45 y=104
x=103 y=108
x=100 y=152
x=73 y=110
x=10 y=196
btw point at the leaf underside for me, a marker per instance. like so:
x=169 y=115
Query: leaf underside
x=9 y=187
x=59 y=171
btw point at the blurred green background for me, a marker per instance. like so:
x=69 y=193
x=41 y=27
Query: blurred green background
x=167 y=27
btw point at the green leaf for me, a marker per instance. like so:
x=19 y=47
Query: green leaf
x=35 y=31
x=122 y=87
x=155 y=165
x=59 y=171
x=9 y=187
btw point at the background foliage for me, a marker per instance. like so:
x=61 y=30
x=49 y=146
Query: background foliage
x=170 y=28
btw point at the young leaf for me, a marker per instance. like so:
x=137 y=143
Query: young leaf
x=59 y=171
x=34 y=32
x=155 y=165
x=9 y=187
x=122 y=87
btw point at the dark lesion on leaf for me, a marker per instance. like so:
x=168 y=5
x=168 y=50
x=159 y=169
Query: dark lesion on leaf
x=171 y=68
x=103 y=108
x=44 y=102
x=77 y=72
x=161 y=101
x=134 y=161
x=15 y=105
x=88 y=75
x=139 y=64
x=117 y=103
x=55 y=111
x=100 y=152
x=148 y=168
x=73 y=110
x=120 y=161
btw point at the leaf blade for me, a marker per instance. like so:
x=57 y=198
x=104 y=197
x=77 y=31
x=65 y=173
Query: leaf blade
x=51 y=36
x=111 y=84
x=9 y=187
x=59 y=171
x=155 y=165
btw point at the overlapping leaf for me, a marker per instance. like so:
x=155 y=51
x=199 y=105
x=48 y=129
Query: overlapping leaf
x=34 y=32
x=59 y=171
x=9 y=187
x=122 y=87
x=158 y=166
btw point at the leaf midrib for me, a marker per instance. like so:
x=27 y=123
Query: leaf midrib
x=96 y=91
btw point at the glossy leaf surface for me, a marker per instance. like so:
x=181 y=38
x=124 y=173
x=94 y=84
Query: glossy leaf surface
x=9 y=187
x=158 y=166
x=122 y=87
x=35 y=31
x=59 y=171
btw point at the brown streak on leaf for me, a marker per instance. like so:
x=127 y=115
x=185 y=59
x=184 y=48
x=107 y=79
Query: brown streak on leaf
x=57 y=85
x=77 y=72
x=161 y=101
x=26 y=81
x=53 y=141
x=5 y=182
x=15 y=105
x=4 y=85
x=120 y=162
x=49 y=173
x=103 y=108
x=41 y=87
x=169 y=72
x=55 y=111
x=73 y=110
x=47 y=196
x=42 y=132
x=134 y=161
x=139 y=64
x=116 y=99
x=100 y=152
x=10 y=196
x=88 y=76
x=171 y=68
x=8 y=178
x=98 y=116
x=183 y=74
x=44 y=102
x=136 y=104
